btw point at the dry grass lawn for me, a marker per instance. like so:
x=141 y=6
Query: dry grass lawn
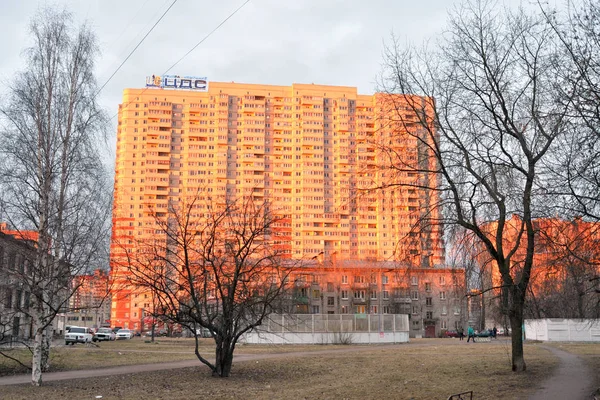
x=421 y=370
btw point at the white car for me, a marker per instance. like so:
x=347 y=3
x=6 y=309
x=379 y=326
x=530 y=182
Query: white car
x=78 y=334
x=104 y=334
x=124 y=334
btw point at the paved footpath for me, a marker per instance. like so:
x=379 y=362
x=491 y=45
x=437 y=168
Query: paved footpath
x=572 y=380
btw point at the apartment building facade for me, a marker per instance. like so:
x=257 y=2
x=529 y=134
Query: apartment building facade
x=15 y=260
x=90 y=303
x=433 y=298
x=310 y=151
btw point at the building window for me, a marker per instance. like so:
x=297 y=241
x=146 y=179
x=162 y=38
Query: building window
x=315 y=309
x=344 y=278
x=414 y=280
x=8 y=302
x=361 y=309
x=386 y=310
x=414 y=294
x=444 y=324
x=373 y=279
x=373 y=309
x=359 y=279
x=429 y=315
x=344 y=294
x=444 y=310
x=330 y=286
x=442 y=295
x=316 y=293
x=374 y=295
x=428 y=286
x=359 y=294
x=442 y=280
x=428 y=301
x=16 y=326
x=330 y=301
x=384 y=279
x=416 y=324
x=415 y=309
x=386 y=294
x=344 y=310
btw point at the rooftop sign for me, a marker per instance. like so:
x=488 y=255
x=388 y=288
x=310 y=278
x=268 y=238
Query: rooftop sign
x=199 y=84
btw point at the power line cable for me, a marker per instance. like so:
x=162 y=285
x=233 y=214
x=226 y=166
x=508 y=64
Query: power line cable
x=192 y=49
x=207 y=36
x=136 y=47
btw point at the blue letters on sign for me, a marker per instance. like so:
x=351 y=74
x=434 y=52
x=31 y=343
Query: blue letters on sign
x=177 y=82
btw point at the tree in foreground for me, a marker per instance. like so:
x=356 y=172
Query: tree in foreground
x=488 y=118
x=52 y=178
x=215 y=270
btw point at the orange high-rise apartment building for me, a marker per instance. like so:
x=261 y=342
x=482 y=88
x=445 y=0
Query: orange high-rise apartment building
x=308 y=149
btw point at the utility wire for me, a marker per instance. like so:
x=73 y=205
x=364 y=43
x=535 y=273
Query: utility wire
x=136 y=47
x=207 y=36
x=192 y=49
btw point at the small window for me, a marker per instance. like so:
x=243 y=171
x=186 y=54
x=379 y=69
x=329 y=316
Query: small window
x=330 y=301
x=442 y=295
x=428 y=301
x=414 y=280
x=428 y=286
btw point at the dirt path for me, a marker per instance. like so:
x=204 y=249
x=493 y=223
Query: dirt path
x=573 y=380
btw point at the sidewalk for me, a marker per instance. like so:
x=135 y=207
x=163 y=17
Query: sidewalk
x=573 y=379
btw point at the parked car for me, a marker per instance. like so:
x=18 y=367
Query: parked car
x=78 y=334
x=124 y=334
x=104 y=334
x=484 y=333
x=203 y=332
x=451 y=333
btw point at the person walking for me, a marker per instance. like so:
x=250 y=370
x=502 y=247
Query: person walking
x=494 y=332
x=470 y=334
x=461 y=333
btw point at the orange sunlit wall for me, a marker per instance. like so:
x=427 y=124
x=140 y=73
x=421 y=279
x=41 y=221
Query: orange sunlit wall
x=308 y=149
x=559 y=244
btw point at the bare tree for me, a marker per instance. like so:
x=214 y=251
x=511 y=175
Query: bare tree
x=562 y=283
x=217 y=271
x=577 y=65
x=53 y=180
x=487 y=118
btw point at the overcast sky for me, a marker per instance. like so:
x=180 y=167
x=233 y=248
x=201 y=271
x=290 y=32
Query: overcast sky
x=336 y=42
